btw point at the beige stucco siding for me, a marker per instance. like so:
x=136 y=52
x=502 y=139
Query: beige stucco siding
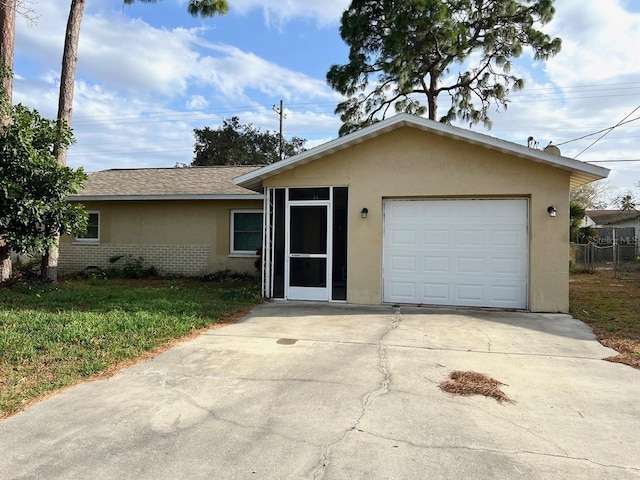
x=195 y=231
x=412 y=163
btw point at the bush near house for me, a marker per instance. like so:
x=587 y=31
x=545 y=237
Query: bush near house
x=54 y=335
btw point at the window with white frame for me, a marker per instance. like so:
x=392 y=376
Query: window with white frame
x=92 y=234
x=246 y=232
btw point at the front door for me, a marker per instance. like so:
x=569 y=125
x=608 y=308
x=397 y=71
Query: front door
x=307 y=253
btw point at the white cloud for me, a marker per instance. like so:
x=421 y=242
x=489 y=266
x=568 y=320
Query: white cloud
x=599 y=42
x=129 y=54
x=234 y=73
x=197 y=102
x=278 y=12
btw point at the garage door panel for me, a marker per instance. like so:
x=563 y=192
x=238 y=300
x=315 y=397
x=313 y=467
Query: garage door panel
x=473 y=293
x=469 y=238
x=403 y=238
x=456 y=261
x=403 y=291
x=506 y=293
x=403 y=211
x=507 y=238
x=403 y=263
x=508 y=266
x=435 y=210
x=435 y=293
x=471 y=265
x=435 y=265
x=434 y=238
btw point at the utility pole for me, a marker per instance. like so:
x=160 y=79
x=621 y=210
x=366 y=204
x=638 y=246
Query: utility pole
x=282 y=116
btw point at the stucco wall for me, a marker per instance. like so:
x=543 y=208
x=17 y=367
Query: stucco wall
x=177 y=237
x=412 y=163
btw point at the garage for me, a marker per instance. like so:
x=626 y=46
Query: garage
x=456 y=252
x=434 y=215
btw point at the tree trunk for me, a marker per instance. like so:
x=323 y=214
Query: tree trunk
x=68 y=72
x=49 y=262
x=65 y=105
x=5 y=258
x=432 y=96
x=7 y=43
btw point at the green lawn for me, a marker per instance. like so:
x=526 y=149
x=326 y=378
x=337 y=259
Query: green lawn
x=54 y=335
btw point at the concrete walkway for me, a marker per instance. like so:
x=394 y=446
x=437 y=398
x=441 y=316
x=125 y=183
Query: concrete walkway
x=303 y=391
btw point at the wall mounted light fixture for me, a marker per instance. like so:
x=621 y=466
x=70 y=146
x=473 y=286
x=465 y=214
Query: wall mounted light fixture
x=364 y=212
x=552 y=211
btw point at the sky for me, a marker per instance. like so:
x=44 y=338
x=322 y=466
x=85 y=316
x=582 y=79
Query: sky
x=149 y=74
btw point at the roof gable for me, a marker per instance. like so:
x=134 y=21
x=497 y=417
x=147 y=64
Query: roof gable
x=166 y=184
x=581 y=173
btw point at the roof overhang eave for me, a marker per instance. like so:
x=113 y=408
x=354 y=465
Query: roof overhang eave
x=139 y=198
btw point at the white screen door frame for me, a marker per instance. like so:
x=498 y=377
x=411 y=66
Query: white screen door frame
x=308 y=250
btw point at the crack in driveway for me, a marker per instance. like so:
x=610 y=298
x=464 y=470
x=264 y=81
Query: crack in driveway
x=382 y=389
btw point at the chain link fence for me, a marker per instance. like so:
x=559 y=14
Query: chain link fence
x=617 y=249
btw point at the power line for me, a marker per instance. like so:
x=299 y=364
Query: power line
x=607 y=132
x=608 y=129
x=517 y=97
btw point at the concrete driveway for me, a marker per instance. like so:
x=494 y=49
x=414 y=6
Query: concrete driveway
x=300 y=390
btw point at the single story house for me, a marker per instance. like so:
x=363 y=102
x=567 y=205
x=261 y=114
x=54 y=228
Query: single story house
x=406 y=211
x=621 y=225
x=183 y=221
x=612 y=218
x=414 y=211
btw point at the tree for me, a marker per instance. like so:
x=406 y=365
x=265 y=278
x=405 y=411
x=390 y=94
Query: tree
x=592 y=196
x=203 y=8
x=627 y=202
x=34 y=187
x=405 y=52
x=236 y=144
x=576 y=215
x=197 y=8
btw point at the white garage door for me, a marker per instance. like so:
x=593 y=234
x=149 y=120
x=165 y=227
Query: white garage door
x=456 y=252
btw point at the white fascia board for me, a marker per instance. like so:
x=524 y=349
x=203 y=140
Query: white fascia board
x=134 y=198
x=583 y=172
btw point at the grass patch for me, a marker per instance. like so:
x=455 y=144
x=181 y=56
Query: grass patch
x=54 y=335
x=611 y=307
x=474 y=383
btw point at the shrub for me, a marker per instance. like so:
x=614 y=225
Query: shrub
x=133 y=268
x=222 y=275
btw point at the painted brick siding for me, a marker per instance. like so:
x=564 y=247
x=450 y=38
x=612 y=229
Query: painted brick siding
x=186 y=260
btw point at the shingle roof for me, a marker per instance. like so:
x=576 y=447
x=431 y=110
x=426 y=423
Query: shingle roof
x=611 y=217
x=159 y=183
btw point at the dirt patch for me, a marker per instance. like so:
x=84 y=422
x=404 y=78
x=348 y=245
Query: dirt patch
x=629 y=351
x=474 y=383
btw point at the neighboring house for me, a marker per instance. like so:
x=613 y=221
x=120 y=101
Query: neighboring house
x=612 y=218
x=412 y=211
x=621 y=225
x=183 y=221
